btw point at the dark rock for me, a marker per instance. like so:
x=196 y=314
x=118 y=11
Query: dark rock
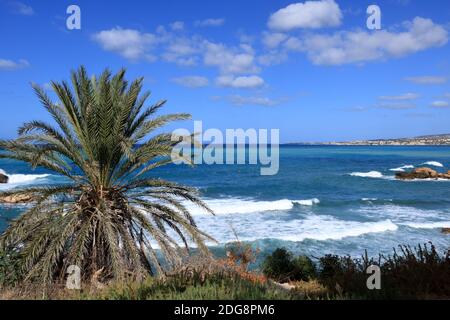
x=445 y=230
x=3 y=178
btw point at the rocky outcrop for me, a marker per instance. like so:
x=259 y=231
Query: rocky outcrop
x=422 y=173
x=3 y=178
x=445 y=230
x=21 y=198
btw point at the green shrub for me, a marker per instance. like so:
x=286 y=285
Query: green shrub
x=409 y=273
x=343 y=275
x=279 y=266
x=304 y=269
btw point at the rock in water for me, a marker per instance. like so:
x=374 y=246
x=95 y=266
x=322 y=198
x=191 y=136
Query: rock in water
x=445 y=230
x=3 y=178
x=21 y=198
x=422 y=173
x=426 y=172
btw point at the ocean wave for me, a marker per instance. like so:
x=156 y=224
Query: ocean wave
x=434 y=164
x=370 y=174
x=313 y=227
x=402 y=169
x=242 y=206
x=308 y=202
x=15 y=180
x=402 y=214
x=25 y=178
x=328 y=228
x=428 y=225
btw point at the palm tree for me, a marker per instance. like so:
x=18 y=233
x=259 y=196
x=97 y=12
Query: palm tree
x=111 y=215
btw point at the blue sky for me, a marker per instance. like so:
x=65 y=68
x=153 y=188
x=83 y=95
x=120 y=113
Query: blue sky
x=311 y=69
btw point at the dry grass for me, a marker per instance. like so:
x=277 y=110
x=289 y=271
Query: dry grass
x=311 y=289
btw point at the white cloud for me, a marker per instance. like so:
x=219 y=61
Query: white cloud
x=192 y=81
x=406 y=96
x=310 y=14
x=272 y=58
x=129 y=43
x=210 y=22
x=182 y=51
x=21 y=8
x=358 y=109
x=177 y=25
x=230 y=60
x=362 y=46
x=13 y=65
x=427 y=79
x=440 y=104
x=293 y=44
x=238 y=100
x=243 y=82
x=397 y=106
x=273 y=39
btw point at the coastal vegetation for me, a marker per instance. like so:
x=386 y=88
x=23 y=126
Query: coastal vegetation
x=409 y=273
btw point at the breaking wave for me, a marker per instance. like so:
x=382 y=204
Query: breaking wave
x=434 y=164
x=370 y=174
x=236 y=205
x=15 y=180
x=402 y=169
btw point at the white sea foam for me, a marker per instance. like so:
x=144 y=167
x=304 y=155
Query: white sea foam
x=402 y=169
x=434 y=163
x=313 y=227
x=424 y=180
x=428 y=225
x=369 y=199
x=329 y=228
x=403 y=215
x=15 y=180
x=370 y=174
x=25 y=178
x=242 y=206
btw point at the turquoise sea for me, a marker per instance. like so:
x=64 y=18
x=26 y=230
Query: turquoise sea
x=325 y=199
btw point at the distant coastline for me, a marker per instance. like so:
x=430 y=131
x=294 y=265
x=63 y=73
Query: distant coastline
x=429 y=140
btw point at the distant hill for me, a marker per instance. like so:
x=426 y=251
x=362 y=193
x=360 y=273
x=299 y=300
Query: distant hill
x=428 y=140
